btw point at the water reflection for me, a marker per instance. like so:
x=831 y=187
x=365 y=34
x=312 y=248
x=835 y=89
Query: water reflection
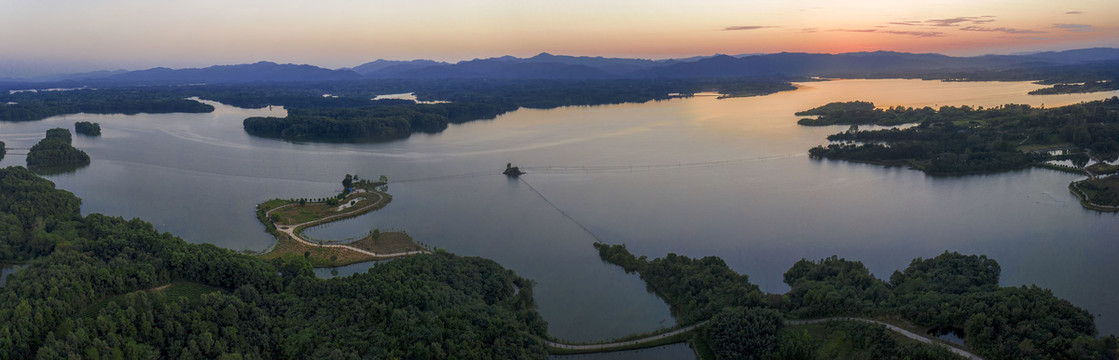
x=6 y=270
x=199 y=176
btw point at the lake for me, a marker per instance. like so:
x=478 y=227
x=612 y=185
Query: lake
x=697 y=176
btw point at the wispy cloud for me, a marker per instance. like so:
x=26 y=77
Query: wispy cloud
x=906 y=23
x=915 y=33
x=894 y=32
x=1074 y=13
x=809 y=30
x=746 y=27
x=957 y=21
x=1001 y=29
x=1074 y=27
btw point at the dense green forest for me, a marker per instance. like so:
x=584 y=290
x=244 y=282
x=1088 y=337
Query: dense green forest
x=344 y=111
x=950 y=291
x=87 y=128
x=55 y=150
x=1085 y=87
x=369 y=122
x=349 y=115
x=695 y=289
x=91 y=289
x=27 y=106
x=962 y=140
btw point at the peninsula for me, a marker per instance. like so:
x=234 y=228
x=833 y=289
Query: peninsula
x=950 y=293
x=286 y=219
x=965 y=140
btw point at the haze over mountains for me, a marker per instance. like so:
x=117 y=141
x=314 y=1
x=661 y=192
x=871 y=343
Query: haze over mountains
x=561 y=67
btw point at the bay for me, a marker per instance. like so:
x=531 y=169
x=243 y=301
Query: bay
x=698 y=176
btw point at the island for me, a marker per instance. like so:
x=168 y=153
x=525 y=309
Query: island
x=55 y=151
x=964 y=140
x=286 y=219
x=87 y=128
x=837 y=309
x=96 y=286
x=350 y=115
x=1084 y=87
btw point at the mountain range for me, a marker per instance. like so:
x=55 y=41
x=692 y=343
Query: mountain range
x=562 y=67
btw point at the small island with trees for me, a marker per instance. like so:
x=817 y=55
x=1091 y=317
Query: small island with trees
x=55 y=151
x=87 y=128
x=287 y=218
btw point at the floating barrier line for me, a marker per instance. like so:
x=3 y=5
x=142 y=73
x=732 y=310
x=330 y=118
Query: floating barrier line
x=622 y=168
x=564 y=213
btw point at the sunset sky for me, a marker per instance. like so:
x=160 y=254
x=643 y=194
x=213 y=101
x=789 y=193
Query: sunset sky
x=45 y=36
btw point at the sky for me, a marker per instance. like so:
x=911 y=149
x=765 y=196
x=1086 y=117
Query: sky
x=53 y=36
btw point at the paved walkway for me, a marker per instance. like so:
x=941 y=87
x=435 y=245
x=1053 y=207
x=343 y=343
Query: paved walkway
x=623 y=344
x=653 y=338
x=893 y=328
x=293 y=230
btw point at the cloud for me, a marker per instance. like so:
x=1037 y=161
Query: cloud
x=906 y=23
x=894 y=32
x=956 y=21
x=915 y=33
x=1001 y=29
x=1074 y=13
x=1074 y=27
x=809 y=30
x=746 y=27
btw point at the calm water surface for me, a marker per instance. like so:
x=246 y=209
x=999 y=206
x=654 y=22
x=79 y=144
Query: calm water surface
x=637 y=174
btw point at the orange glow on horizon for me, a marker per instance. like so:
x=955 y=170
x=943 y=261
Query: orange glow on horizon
x=341 y=33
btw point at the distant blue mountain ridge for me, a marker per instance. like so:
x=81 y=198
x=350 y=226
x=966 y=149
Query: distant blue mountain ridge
x=563 y=67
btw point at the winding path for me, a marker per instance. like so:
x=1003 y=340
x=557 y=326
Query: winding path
x=293 y=230
x=622 y=345
x=899 y=330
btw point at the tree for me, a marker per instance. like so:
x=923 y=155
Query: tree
x=742 y=333
x=348 y=182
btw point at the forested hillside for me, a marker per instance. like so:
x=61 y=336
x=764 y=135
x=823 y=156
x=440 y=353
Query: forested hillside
x=949 y=292
x=97 y=286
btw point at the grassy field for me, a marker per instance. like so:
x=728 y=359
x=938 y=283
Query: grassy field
x=387 y=243
x=1103 y=168
x=1101 y=191
x=1034 y=147
x=298 y=214
x=318 y=256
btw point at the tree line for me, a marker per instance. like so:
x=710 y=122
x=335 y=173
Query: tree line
x=28 y=106
x=950 y=291
x=961 y=140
